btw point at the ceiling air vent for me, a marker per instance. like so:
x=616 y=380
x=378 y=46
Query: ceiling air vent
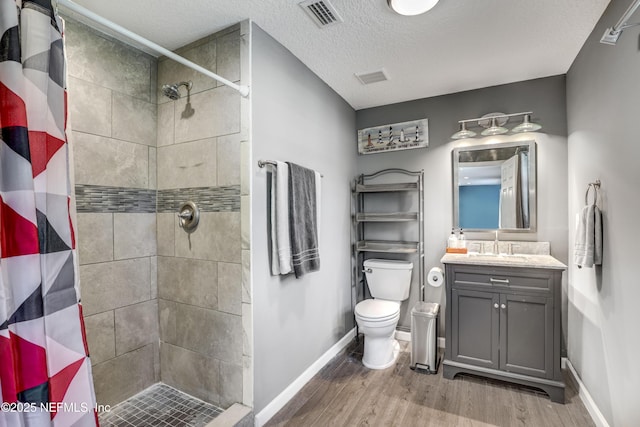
x=373 y=77
x=322 y=12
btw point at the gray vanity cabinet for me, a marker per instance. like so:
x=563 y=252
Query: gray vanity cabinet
x=504 y=323
x=477 y=326
x=526 y=335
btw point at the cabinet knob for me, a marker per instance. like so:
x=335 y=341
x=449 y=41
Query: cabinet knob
x=495 y=305
x=503 y=306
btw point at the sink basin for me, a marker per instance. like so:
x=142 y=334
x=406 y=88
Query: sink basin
x=515 y=257
x=502 y=257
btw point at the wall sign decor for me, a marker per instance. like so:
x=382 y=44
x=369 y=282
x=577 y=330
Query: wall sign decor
x=397 y=136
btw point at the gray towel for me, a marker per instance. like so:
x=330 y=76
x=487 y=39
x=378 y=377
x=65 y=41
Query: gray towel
x=588 y=246
x=303 y=220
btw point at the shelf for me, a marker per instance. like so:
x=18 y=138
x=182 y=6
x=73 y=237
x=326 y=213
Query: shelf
x=387 y=246
x=387 y=217
x=397 y=224
x=381 y=188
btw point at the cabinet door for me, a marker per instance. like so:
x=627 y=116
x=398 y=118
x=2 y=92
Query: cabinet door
x=475 y=327
x=526 y=335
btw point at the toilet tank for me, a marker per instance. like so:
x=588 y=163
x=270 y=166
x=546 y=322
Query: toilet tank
x=388 y=279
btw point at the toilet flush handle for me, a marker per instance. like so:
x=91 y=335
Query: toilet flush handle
x=367 y=270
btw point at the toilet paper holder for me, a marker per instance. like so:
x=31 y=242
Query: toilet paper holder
x=435 y=277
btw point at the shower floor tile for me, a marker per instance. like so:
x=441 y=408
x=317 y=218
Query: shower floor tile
x=160 y=406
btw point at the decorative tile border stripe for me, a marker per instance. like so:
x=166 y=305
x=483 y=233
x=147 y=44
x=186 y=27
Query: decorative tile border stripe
x=208 y=199
x=103 y=199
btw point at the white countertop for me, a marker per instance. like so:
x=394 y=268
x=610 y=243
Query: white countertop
x=517 y=260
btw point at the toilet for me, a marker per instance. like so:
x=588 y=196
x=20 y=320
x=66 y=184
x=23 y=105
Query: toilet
x=389 y=283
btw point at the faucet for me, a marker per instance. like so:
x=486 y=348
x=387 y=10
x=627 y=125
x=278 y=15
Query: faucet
x=510 y=247
x=496 y=244
x=480 y=247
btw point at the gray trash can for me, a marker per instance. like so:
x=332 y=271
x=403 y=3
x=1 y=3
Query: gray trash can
x=424 y=332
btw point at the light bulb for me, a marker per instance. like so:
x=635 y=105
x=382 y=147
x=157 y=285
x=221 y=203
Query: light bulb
x=463 y=132
x=411 y=7
x=526 y=125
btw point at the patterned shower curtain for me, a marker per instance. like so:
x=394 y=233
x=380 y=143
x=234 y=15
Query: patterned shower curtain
x=45 y=372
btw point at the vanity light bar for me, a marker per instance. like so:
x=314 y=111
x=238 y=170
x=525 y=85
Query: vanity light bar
x=494 y=122
x=500 y=116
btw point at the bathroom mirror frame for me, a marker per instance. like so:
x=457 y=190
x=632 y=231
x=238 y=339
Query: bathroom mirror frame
x=492 y=152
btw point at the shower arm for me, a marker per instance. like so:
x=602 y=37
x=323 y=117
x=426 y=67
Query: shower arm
x=68 y=4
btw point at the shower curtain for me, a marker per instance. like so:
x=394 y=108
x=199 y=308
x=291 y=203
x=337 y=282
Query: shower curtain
x=45 y=372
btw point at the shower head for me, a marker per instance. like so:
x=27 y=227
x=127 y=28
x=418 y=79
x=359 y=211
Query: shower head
x=172 y=91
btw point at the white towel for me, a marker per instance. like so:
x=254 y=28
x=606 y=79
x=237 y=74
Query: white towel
x=283 y=237
x=275 y=258
x=588 y=246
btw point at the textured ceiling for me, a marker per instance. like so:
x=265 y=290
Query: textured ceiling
x=458 y=45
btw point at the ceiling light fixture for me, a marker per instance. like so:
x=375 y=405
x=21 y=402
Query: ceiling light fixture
x=411 y=7
x=494 y=125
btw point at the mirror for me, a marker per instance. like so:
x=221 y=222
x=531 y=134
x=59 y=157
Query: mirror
x=494 y=186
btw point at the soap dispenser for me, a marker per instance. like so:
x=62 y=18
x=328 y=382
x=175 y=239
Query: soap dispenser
x=452 y=242
x=462 y=243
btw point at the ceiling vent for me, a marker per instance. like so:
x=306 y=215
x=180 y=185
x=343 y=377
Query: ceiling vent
x=321 y=12
x=373 y=77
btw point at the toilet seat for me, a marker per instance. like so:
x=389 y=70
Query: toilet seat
x=373 y=310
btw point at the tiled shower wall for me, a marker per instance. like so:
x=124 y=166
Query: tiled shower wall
x=135 y=260
x=112 y=111
x=200 y=140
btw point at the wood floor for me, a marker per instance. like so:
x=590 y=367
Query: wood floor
x=345 y=393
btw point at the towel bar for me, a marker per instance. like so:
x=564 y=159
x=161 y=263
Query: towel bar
x=596 y=187
x=264 y=163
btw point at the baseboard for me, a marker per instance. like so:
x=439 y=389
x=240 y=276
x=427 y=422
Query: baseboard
x=278 y=403
x=403 y=336
x=586 y=398
x=406 y=336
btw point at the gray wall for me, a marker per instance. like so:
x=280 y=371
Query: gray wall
x=545 y=97
x=297 y=117
x=112 y=114
x=602 y=104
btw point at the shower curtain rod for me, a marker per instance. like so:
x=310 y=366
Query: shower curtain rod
x=611 y=35
x=68 y=4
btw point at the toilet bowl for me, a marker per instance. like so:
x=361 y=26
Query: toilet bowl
x=389 y=282
x=377 y=320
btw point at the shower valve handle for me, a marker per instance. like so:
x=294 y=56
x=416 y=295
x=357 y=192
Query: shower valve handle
x=186 y=214
x=188 y=217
